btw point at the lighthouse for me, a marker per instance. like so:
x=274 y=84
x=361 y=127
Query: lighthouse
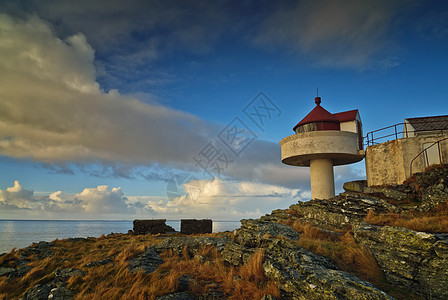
x=323 y=140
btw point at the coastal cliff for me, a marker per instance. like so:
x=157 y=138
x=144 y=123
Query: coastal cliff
x=366 y=243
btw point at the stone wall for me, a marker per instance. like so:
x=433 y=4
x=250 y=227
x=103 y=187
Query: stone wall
x=191 y=226
x=389 y=163
x=151 y=226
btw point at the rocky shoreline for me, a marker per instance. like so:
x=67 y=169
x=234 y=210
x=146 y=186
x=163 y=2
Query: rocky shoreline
x=408 y=260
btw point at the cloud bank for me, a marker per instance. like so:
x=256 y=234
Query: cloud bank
x=53 y=110
x=218 y=199
x=99 y=202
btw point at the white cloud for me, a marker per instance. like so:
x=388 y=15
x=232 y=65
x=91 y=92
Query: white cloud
x=226 y=200
x=218 y=200
x=52 y=109
x=17 y=197
x=99 y=202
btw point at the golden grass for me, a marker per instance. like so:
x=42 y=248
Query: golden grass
x=114 y=281
x=68 y=254
x=435 y=221
x=341 y=248
x=348 y=256
x=9 y=258
x=244 y=282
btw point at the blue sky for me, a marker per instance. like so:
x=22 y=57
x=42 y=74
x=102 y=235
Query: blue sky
x=106 y=105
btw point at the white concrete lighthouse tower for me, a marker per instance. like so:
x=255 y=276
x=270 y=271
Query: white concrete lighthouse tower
x=323 y=140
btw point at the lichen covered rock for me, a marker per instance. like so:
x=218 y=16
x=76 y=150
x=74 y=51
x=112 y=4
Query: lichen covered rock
x=411 y=259
x=255 y=233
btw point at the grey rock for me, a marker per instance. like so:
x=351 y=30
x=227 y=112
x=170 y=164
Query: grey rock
x=183 y=283
x=410 y=259
x=361 y=187
x=39 y=292
x=64 y=274
x=99 y=263
x=341 y=211
x=301 y=274
x=4 y=271
x=22 y=271
x=192 y=243
x=254 y=233
x=41 y=250
x=236 y=254
x=176 y=296
x=60 y=293
x=18 y=272
x=147 y=262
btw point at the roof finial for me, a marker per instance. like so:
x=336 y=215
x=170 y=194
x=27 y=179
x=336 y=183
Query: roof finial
x=317 y=100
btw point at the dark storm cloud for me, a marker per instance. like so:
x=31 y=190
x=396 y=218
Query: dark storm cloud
x=133 y=35
x=336 y=33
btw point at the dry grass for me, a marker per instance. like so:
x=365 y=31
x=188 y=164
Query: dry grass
x=9 y=258
x=348 y=256
x=244 y=282
x=341 y=248
x=114 y=281
x=435 y=221
x=68 y=254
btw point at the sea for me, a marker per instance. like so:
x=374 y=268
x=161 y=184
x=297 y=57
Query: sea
x=22 y=233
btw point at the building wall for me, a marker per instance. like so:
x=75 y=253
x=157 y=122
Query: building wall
x=389 y=163
x=408 y=129
x=350 y=126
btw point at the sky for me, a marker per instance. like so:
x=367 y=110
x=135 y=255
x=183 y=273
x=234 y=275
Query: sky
x=120 y=110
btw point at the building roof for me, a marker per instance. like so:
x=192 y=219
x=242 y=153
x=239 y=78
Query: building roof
x=346 y=116
x=429 y=123
x=318 y=114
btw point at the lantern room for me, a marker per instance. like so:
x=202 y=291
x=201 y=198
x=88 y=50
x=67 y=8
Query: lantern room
x=318 y=119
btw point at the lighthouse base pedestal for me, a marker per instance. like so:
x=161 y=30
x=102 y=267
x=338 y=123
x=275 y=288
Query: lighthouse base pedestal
x=322 y=178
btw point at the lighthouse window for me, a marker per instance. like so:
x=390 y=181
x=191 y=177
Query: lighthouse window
x=318 y=126
x=307 y=127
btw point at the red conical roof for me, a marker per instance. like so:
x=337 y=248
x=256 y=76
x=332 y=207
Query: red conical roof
x=318 y=114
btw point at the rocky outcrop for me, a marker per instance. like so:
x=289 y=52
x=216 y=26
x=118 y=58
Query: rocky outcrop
x=341 y=211
x=396 y=193
x=255 y=233
x=424 y=192
x=193 y=244
x=55 y=288
x=303 y=275
x=430 y=187
x=417 y=261
x=299 y=273
x=147 y=262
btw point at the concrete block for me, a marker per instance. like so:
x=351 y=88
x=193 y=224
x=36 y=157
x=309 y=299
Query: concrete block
x=151 y=226
x=192 y=226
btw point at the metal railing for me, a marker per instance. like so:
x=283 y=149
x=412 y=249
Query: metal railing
x=424 y=152
x=400 y=129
